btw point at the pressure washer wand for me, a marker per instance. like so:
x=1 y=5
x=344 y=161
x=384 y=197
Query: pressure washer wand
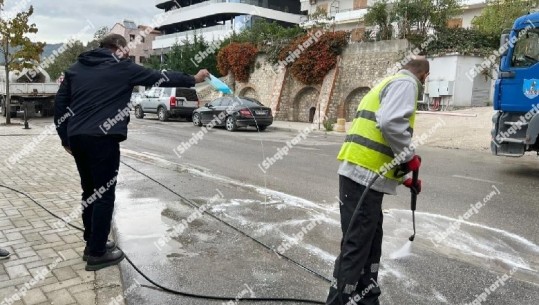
x=413 y=190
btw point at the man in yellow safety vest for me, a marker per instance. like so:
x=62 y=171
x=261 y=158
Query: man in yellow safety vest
x=378 y=144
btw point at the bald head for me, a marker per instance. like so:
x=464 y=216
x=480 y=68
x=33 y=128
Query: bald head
x=419 y=66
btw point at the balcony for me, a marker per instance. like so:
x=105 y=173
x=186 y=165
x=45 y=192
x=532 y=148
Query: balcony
x=351 y=15
x=467 y=4
x=341 y=16
x=229 y=8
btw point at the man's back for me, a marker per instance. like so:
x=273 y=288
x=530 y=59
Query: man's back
x=97 y=90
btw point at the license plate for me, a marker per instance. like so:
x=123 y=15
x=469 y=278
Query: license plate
x=260 y=112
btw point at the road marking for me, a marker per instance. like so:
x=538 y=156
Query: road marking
x=476 y=179
x=151 y=154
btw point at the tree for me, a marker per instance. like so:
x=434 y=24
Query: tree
x=380 y=15
x=17 y=49
x=416 y=18
x=500 y=15
x=100 y=33
x=269 y=37
x=263 y=32
x=189 y=56
x=65 y=59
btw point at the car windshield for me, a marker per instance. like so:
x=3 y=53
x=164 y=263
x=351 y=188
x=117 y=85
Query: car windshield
x=526 y=49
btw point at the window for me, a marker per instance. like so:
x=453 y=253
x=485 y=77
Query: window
x=359 y=4
x=454 y=23
x=216 y=103
x=250 y=102
x=157 y=92
x=526 y=52
x=226 y=101
x=142 y=59
x=131 y=37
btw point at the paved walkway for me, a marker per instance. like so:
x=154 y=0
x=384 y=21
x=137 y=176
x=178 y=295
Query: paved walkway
x=46 y=264
x=443 y=129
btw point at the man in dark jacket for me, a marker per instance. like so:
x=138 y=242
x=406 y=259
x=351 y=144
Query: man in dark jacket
x=91 y=115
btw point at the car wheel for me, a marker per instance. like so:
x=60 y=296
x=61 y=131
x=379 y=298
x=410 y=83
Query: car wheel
x=196 y=119
x=231 y=124
x=262 y=127
x=162 y=114
x=139 y=114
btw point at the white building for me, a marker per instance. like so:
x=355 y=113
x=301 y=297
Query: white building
x=216 y=19
x=348 y=15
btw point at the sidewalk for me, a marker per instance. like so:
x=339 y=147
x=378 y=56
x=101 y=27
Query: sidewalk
x=46 y=264
x=457 y=132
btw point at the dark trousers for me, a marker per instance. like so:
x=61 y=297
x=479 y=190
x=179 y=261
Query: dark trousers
x=98 y=161
x=356 y=268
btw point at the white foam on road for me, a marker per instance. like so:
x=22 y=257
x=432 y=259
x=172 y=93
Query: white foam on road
x=481 y=244
x=285 y=198
x=486 y=245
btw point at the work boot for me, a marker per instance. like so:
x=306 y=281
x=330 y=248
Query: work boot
x=110 y=258
x=109 y=246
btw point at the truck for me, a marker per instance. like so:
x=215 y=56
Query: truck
x=35 y=94
x=516 y=90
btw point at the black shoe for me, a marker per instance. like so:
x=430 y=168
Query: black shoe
x=110 y=258
x=4 y=254
x=109 y=246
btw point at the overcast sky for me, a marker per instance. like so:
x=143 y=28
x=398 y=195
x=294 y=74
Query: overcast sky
x=58 y=21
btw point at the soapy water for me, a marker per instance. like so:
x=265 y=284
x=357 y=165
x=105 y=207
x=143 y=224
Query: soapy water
x=473 y=243
x=404 y=251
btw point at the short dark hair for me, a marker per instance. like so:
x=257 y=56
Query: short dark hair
x=419 y=65
x=113 y=41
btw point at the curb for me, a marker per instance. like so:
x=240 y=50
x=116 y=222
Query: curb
x=290 y=129
x=108 y=286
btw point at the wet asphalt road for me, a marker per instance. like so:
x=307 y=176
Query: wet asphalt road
x=222 y=171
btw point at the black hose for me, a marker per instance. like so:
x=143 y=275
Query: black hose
x=182 y=293
x=196 y=206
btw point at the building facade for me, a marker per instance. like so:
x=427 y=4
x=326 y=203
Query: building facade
x=217 y=19
x=347 y=15
x=129 y=30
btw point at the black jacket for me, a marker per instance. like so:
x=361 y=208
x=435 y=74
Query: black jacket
x=94 y=98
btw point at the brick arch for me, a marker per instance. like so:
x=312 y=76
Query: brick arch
x=348 y=108
x=303 y=102
x=249 y=91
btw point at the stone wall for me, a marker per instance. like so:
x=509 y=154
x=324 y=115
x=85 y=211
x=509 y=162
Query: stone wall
x=360 y=67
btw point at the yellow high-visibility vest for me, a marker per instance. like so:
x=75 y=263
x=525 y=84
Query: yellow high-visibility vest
x=365 y=145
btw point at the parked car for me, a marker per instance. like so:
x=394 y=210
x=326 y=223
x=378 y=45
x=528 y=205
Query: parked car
x=234 y=112
x=168 y=103
x=135 y=96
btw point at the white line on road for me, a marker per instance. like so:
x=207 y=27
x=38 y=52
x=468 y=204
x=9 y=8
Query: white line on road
x=476 y=179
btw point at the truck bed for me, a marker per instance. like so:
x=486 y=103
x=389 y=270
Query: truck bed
x=23 y=89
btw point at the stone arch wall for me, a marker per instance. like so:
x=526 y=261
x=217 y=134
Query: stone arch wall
x=249 y=92
x=348 y=107
x=303 y=101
